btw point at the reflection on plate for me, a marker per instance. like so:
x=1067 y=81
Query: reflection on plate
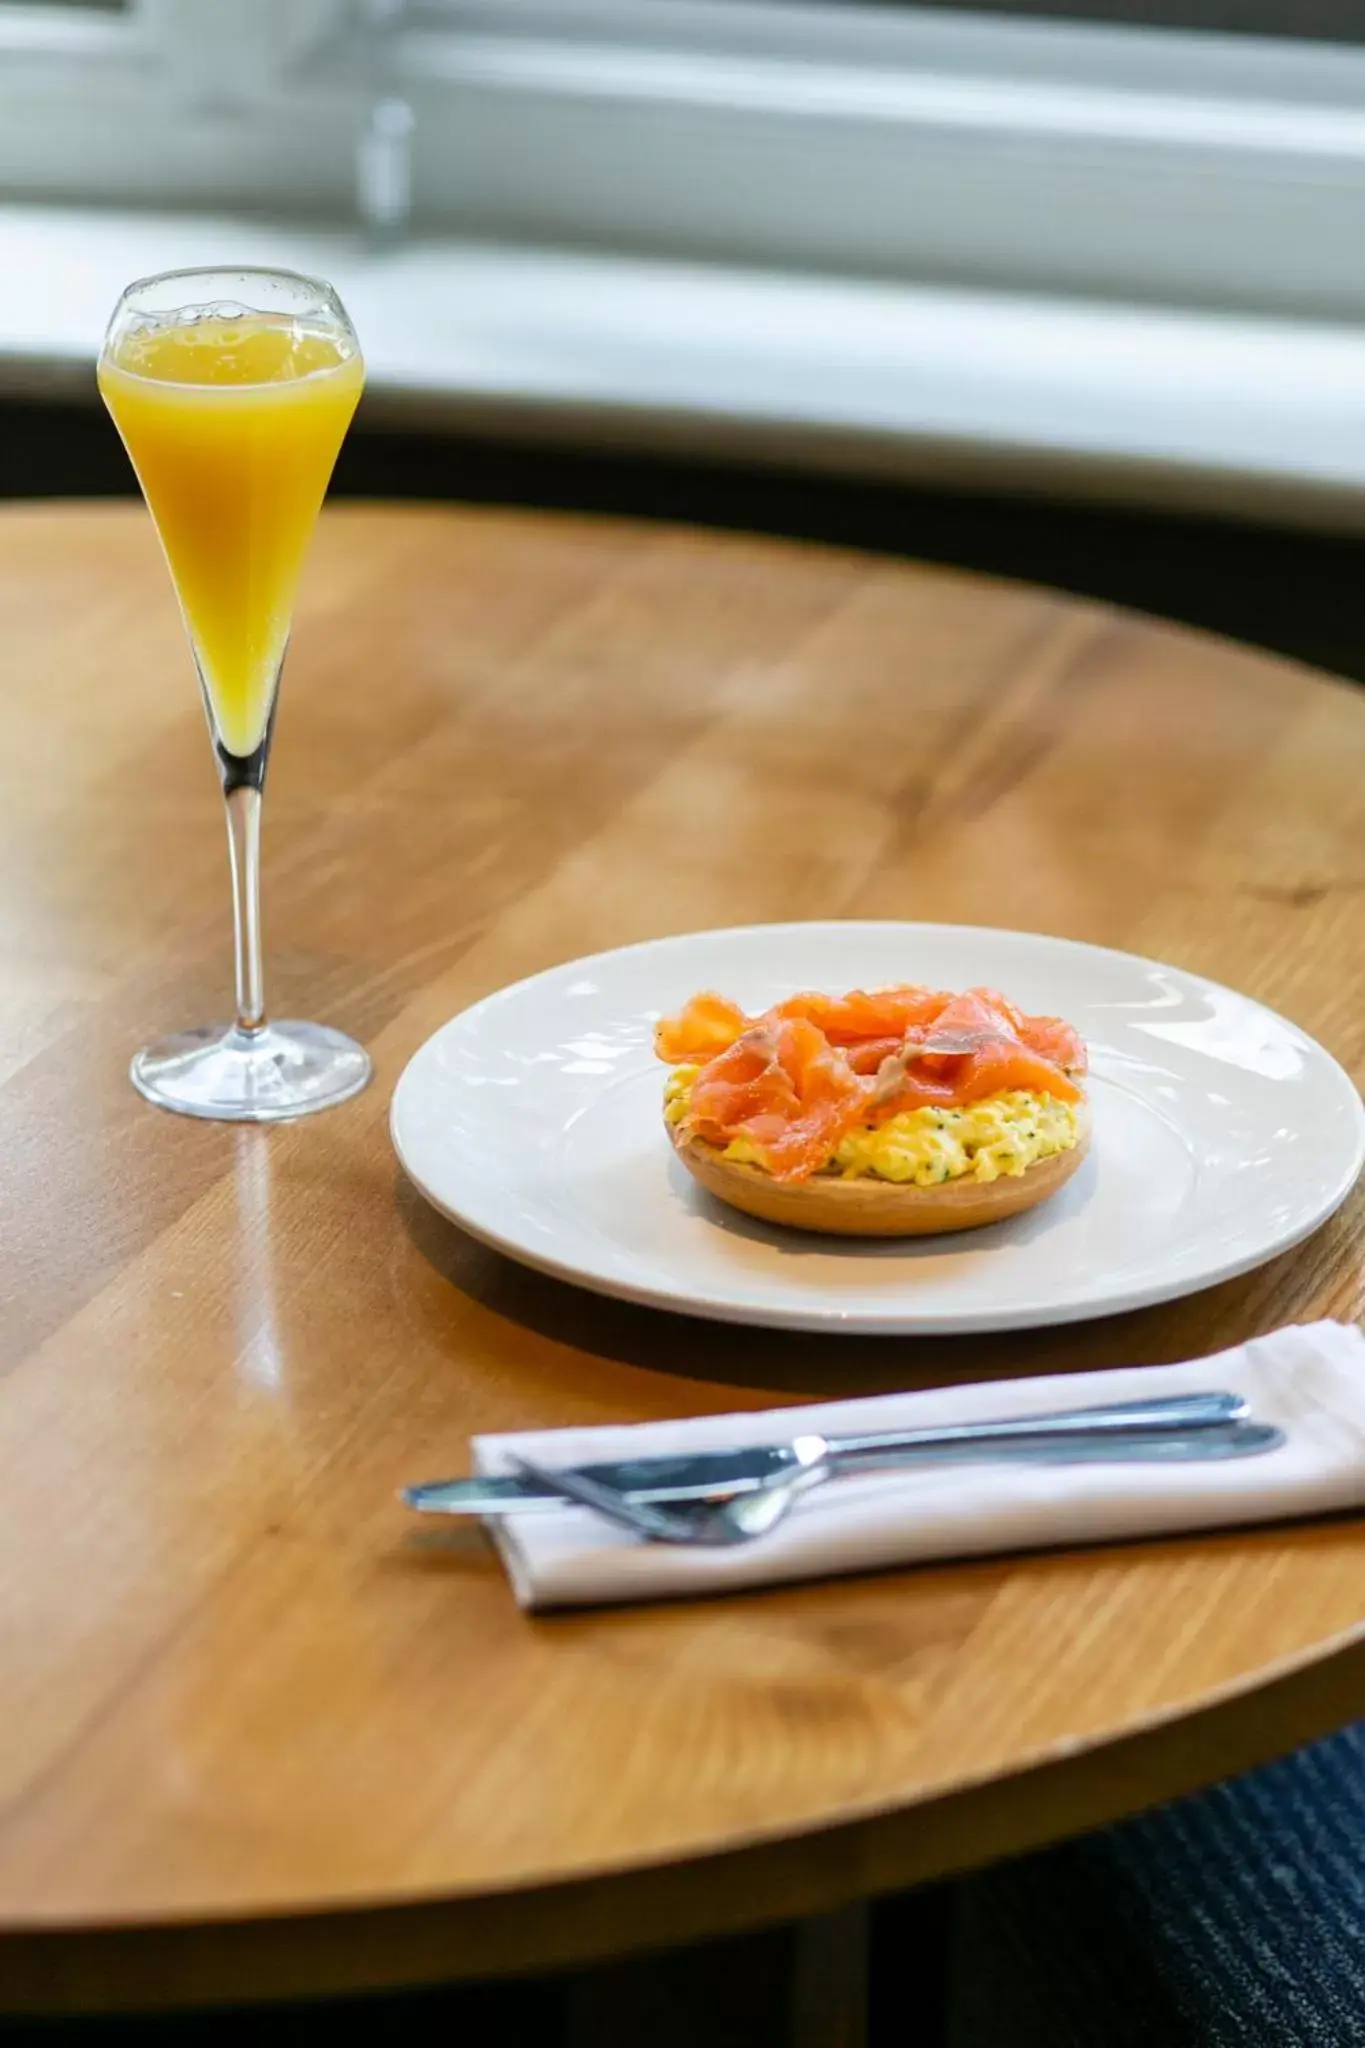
x=1223 y=1135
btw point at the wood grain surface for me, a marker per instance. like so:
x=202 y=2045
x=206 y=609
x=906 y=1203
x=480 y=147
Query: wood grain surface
x=258 y=1735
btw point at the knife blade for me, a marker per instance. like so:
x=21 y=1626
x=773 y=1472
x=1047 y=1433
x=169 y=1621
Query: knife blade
x=701 y=1476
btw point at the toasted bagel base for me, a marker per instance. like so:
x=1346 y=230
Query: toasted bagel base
x=869 y=1207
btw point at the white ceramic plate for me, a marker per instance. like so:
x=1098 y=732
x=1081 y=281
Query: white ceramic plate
x=1222 y=1136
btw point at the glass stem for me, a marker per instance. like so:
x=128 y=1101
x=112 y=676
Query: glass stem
x=244 y=848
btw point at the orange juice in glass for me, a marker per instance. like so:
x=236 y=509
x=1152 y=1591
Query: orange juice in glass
x=233 y=391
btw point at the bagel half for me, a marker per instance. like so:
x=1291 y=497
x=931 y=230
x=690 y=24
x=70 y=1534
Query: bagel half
x=870 y=1207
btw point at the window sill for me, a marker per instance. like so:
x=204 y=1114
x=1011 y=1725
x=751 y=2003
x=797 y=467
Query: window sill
x=1254 y=417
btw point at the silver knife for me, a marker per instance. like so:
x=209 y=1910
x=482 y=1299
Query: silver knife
x=712 y=1475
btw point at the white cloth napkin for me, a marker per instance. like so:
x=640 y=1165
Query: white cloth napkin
x=1310 y=1380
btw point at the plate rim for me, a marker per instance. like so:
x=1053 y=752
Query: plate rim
x=869 y=1321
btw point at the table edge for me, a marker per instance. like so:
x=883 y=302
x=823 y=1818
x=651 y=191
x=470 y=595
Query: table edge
x=536 y=1929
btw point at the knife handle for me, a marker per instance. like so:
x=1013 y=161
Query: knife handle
x=1211 y=1410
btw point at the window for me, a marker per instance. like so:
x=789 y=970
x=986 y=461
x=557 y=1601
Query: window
x=888 y=141
x=890 y=224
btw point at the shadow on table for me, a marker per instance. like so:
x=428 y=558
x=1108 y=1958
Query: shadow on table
x=818 y=1365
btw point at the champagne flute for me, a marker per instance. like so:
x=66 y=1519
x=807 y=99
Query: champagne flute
x=233 y=390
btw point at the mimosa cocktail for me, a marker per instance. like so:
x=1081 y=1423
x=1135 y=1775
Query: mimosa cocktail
x=233 y=392
x=233 y=427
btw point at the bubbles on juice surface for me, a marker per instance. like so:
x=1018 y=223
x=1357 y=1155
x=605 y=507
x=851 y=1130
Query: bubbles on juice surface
x=223 y=342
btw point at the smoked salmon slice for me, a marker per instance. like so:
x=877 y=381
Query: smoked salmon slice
x=862 y=1014
x=705 y=1027
x=709 y=1023
x=785 y=1088
x=1003 y=1056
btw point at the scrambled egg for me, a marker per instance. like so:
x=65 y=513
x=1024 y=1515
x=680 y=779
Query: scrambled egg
x=1004 y=1134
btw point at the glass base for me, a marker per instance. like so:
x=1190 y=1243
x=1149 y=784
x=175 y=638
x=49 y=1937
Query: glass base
x=255 y=1077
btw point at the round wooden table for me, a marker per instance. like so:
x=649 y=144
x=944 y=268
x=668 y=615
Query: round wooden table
x=262 y=1735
